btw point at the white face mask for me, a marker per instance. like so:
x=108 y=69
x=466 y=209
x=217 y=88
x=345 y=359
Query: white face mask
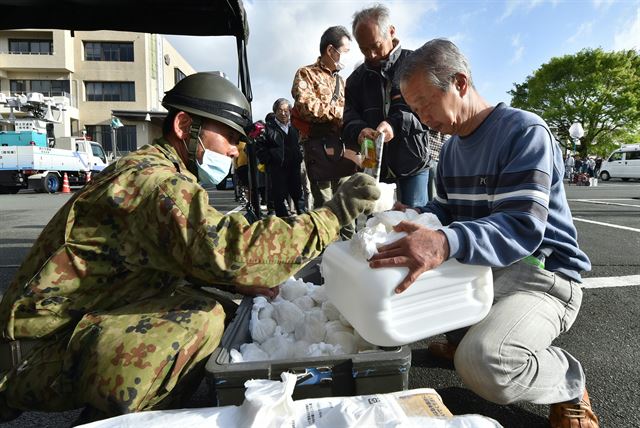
x=214 y=168
x=339 y=66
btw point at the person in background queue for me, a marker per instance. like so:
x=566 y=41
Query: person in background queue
x=374 y=105
x=318 y=95
x=281 y=153
x=106 y=311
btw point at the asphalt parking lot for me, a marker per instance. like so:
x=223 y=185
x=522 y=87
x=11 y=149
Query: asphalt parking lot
x=605 y=338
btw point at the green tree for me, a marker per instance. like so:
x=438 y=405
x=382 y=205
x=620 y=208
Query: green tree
x=599 y=89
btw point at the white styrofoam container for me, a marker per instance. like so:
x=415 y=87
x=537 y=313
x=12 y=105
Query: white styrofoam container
x=454 y=295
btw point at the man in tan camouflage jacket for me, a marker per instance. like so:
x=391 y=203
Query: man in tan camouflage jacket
x=318 y=108
x=103 y=312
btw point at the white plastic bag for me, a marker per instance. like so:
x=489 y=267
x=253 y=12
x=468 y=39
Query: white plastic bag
x=268 y=404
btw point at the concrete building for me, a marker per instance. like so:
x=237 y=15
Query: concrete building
x=92 y=76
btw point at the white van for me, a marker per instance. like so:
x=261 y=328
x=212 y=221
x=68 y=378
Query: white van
x=623 y=163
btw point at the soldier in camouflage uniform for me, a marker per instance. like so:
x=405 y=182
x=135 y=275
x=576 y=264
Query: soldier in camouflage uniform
x=318 y=110
x=102 y=311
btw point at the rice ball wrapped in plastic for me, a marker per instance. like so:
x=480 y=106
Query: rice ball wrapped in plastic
x=236 y=356
x=279 y=347
x=312 y=330
x=301 y=349
x=253 y=352
x=319 y=294
x=317 y=314
x=261 y=329
x=324 y=349
x=287 y=315
x=330 y=311
x=344 y=339
x=266 y=311
x=304 y=302
x=292 y=289
x=260 y=302
x=336 y=325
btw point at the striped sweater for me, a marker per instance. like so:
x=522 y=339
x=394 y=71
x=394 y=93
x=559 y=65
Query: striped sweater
x=500 y=191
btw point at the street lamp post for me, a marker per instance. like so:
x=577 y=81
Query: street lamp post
x=576 y=132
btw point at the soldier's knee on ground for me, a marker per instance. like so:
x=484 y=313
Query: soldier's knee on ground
x=132 y=358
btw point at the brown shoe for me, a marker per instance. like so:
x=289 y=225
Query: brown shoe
x=571 y=415
x=444 y=350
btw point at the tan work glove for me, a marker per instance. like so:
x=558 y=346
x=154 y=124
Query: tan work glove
x=355 y=196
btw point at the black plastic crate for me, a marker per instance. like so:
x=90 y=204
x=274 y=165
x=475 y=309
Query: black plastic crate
x=381 y=371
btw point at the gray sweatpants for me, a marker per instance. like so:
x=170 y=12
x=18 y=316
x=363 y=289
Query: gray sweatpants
x=508 y=357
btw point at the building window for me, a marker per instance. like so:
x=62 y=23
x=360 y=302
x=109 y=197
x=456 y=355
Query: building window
x=108 y=51
x=48 y=88
x=125 y=137
x=178 y=75
x=110 y=91
x=17 y=86
x=633 y=156
x=31 y=46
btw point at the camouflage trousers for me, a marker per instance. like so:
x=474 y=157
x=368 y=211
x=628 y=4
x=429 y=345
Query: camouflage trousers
x=120 y=361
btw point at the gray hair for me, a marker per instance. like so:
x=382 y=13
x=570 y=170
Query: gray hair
x=279 y=102
x=378 y=13
x=439 y=60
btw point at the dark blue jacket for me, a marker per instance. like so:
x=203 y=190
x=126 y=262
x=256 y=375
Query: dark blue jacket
x=275 y=148
x=407 y=154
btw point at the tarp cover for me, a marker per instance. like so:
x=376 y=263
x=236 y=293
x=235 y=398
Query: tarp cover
x=185 y=17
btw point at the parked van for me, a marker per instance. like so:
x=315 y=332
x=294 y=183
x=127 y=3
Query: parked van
x=623 y=163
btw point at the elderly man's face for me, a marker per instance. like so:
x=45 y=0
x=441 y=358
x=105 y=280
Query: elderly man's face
x=283 y=113
x=437 y=109
x=374 y=46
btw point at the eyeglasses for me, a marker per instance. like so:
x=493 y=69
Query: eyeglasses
x=339 y=51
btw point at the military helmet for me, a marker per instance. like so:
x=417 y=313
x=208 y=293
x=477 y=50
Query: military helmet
x=210 y=95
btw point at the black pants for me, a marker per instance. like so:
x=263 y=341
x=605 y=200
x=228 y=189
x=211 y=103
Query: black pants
x=286 y=182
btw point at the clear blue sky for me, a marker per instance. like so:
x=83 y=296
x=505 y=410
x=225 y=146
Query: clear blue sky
x=505 y=41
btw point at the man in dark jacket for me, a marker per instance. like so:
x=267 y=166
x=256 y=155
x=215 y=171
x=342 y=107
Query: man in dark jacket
x=374 y=105
x=280 y=151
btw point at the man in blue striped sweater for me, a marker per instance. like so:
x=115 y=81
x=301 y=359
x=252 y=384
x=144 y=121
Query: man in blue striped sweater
x=501 y=196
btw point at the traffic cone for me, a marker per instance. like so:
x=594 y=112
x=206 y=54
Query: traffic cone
x=65 y=184
x=88 y=179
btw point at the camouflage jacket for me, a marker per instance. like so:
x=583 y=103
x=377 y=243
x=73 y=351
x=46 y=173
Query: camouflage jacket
x=139 y=228
x=312 y=91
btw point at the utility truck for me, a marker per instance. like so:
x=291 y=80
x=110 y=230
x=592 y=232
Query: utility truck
x=27 y=162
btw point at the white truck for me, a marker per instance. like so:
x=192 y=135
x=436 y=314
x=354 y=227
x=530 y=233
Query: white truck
x=623 y=163
x=42 y=168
